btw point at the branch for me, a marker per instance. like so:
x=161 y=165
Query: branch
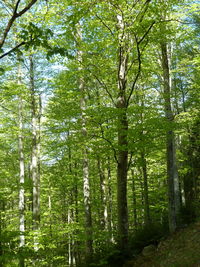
x=130 y=161
x=146 y=7
x=139 y=59
x=110 y=143
x=176 y=20
x=26 y=8
x=12 y=50
x=138 y=72
x=7 y=109
x=16 y=7
x=146 y=33
x=141 y=12
x=134 y=4
x=105 y=24
x=15 y=15
x=105 y=87
x=101 y=83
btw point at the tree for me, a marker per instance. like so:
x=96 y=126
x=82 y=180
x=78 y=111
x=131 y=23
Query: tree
x=86 y=182
x=21 y=175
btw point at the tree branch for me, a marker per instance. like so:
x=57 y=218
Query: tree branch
x=12 y=50
x=146 y=33
x=105 y=24
x=130 y=161
x=138 y=71
x=108 y=141
x=15 y=15
x=101 y=83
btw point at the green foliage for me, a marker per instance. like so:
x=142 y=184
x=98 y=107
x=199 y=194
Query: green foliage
x=2 y=71
x=34 y=35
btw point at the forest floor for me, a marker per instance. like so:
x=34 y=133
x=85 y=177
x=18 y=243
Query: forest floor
x=181 y=249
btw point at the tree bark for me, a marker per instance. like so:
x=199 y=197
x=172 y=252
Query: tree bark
x=172 y=173
x=86 y=182
x=135 y=222
x=122 y=164
x=146 y=190
x=2 y=212
x=104 y=210
x=34 y=158
x=21 y=184
x=110 y=202
x=21 y=173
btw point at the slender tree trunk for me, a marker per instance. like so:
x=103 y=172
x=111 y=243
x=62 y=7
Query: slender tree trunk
x=38 y=135
x=134 y=200
x=172 y=173
x=21 y=184
x=76 y=215
x=70 y=261
x=122 y=163
x=21 y=174
x=122 y=178
x=34 y=158
x=70 y=217
x=110 y=203
x=104 y=211
x=50 y=210
x=86 y=183
x=2 y=212
x=1 y=245
x=146 y=190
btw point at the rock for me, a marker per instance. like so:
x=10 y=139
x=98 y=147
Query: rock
x=148 y=250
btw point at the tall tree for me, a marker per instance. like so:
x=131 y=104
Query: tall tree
x=86 y=182
x=34 y=155
x=21 y=172
x=172 y=173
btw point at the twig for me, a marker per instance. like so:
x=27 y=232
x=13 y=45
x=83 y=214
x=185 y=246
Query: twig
x=105 y=24
x=13 y=49
x=146 y=33
x=138 y=72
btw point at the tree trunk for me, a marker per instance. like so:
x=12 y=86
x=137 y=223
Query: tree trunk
x=21 y=175
x=34 y=158
x=2 y=214
x=86 y=183
x=21 y=185
x=103 y=208
x=172 y=173
x=122 y=163
x=146 y=190
x=134 y=200
x=122 y=178
x=110 y=203
x=77 y=252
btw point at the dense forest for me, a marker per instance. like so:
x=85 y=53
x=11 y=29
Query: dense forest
x=99 y=128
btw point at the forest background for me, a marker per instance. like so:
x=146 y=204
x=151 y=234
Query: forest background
x=99 y=128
